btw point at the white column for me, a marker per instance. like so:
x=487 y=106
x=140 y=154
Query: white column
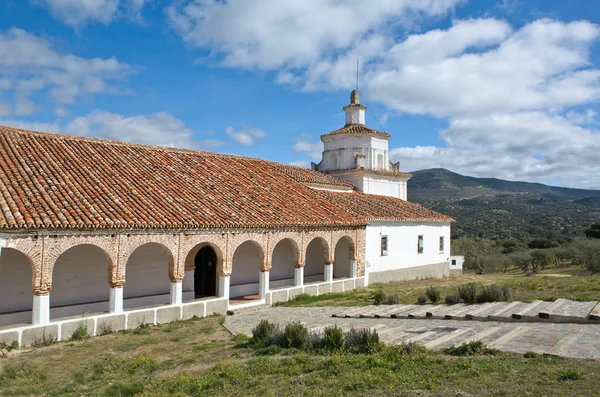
x=41 y=309
x=224 y=287
x=353 y=269
x=116 y=300
x=188 y=281
x=299 y=277
x=367 y=266
x=176 y=293
x=329 y=272
x=263 y=285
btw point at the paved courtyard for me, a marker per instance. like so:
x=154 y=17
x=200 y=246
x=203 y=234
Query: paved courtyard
x=563 y=339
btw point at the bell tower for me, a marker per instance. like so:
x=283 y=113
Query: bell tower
x=355 y=112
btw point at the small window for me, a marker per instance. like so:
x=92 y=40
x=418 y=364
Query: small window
x=441 y=244
x=453 y=262
x=384 y=245
x=420 y=245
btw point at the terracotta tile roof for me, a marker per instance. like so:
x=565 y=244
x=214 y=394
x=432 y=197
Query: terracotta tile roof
x=358 y=129
x=305 y=175
x=50 y=181
x=378 y=172
x=375 y=207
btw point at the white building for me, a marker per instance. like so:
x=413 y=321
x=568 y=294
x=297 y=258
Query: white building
x=396 y=248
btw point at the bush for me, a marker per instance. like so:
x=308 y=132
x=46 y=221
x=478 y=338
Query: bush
x=392 y=300
x=468 y=293
x=421 y=300
x=470 y=349
x=412 y=348
x=379 y=298
x=362 y=341
x=433 y=294
x=505 y=292
x=452 y=299
x=334 y=338
x=542 y=243
x=570 y=374
x=589 y=255
x=295 y=335
x=14 y=345
x=81 y=332
x=264 y=333
x=490 y=294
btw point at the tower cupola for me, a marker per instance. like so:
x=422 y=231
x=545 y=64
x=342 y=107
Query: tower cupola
x=355 y=112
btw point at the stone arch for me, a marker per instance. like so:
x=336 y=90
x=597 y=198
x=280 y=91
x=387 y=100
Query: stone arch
x=248 y=261
x=344 y=253
x=32 y=249
x=148 y=275
x=16 y=273
x=285 y=257
x=79 y=281
x=316 y=257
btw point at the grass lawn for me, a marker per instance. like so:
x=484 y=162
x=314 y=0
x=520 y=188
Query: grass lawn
x=568 y=282
x=199 y=357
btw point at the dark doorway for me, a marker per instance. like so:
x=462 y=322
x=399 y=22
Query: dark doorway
x=205 y=275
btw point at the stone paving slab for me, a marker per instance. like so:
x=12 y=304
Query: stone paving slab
x=569 y=340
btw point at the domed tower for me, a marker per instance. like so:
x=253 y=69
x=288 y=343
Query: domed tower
x=359 y=155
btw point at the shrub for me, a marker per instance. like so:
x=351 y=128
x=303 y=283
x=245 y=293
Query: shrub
x=589 y=255
x=531 y=354
x=490 y=294
x=362 y=341
x=314 y=340
x=570 y=374
x=433 y=294
x=468 y=293
x=44 y=340
x=14 y=345
x=392 y=300
x=412 y=348
x=334 y=338
x=421 y=300
x=505 y=292
x=81 y=332
x=105 y=329
x=379 y=298
x=452 y=299
x=264 y=333
x=295 y=335
x=470 y=349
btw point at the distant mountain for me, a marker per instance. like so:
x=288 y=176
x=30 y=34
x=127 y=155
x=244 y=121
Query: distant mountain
x=497 y=208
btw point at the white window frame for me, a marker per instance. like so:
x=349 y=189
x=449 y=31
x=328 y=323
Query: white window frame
x=420 y=247
x=384 y=252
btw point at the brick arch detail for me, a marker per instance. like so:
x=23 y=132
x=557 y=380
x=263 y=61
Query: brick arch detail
x=260 y=240
x=309 y=236
x=32 y=248
x=338 y=236
x=132 y=242
x=296 y=241
x=191 y=243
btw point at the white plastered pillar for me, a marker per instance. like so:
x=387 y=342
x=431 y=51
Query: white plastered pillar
x=353 y=268
x=263 y=285
x=328 y=272
x=224 y=282
x=116 y=300
x=299 y=277
x=41 y=309
x=177 y=293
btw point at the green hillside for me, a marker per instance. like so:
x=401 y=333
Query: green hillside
x=497 y=208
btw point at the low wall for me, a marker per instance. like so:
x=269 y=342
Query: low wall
x=98 y=324
x=438 y=270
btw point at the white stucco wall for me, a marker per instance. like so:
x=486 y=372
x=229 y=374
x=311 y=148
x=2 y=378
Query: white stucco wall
x=245 y=270
x=341 y=266
x=15 y=282
x=339 y=152
x=282 y=265
x=402 y=244
x=147 y=273
x=314 y=267
x=81 y=276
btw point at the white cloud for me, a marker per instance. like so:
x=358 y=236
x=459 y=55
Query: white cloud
x=301 y=163
x=30 y=65
x=161 y=129
x=79 y=12
x=304 y=144
x=246 y=136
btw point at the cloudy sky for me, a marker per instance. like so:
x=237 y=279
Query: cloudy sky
x=495 y=88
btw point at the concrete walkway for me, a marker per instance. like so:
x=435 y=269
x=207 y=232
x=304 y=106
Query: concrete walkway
x=562 y=339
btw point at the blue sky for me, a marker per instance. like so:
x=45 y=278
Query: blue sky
x=491 y=88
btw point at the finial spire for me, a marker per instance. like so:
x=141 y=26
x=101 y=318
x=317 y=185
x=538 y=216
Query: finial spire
x=356 y=73
x=354 y=98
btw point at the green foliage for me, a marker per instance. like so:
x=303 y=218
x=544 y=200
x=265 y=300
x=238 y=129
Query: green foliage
x=475 y=252
x=421 y=300
x=542 y=243
x=433 y=294
x=506 y=292
x=81 y=332
x=379 y=298
x=468 y=293
x=531 y=354
x=570 y=374
x=589 y=255
x=14 y=345
x=392 y=300
x=124 y=389
x=295 y=335
x=593 y=231
x=470 y=349
x=543 y=259
x=264 y=333
x=362 y=341
x=452 y=299
x=334 y=338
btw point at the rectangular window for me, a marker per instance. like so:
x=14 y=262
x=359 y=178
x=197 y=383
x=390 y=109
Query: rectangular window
x=453 y=262
x=384 y=245
x=441 y=244
x=420 y=245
